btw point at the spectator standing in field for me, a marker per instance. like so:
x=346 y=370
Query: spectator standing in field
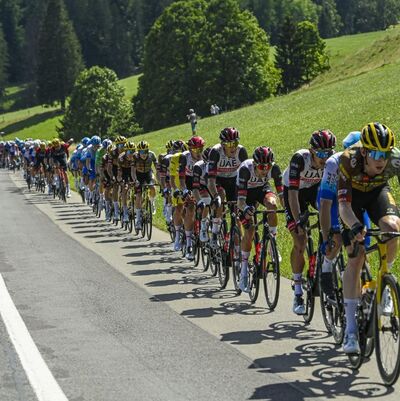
x=192 y=117
x=216 y=109
x=212 y=110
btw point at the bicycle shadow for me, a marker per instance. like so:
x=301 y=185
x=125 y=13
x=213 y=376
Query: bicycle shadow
x=334 y=379
x=277 y=331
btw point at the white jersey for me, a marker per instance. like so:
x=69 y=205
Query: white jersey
x=301 y=174
x=189 y=163
x=221 y=165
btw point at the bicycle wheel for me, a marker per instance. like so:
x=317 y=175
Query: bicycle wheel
x=205 y=256
x=213 y=261
x=144 y=220
x=196 y=249
x=308 y=286
x=149 y=220
x=254 y=281
x=333 y=308
x=171 y=230
x=387 y=339
x=223 y=266
x=271 y=274
x=235 y=257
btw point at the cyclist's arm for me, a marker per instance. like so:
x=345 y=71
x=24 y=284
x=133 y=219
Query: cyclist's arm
x=345 y=196
x=241 y=184
x=196 y=182
x=295 y=168
x=181 y=172
x=276 y=174
x=212 y=172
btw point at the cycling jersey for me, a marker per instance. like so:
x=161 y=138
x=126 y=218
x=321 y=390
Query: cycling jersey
x=199 y=175
x=248 y=180
x=220 y=165
x=144 y=165
x=301 y=174
x=99 y=156
x=330 y=178
x=353 y=177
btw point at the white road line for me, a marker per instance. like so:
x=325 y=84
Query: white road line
x=42 y=381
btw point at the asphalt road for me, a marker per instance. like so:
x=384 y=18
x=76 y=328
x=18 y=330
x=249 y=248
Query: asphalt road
x=117 y=318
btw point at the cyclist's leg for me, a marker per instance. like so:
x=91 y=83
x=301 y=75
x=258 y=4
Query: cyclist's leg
x=189 y=216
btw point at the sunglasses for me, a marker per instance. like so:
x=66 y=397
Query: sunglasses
x=233 y=144
x=143 y=152
x=128 y=152
x=120 y=145
x=196 y=150
x=323 y=154
x=263 y=167
x=377 y=154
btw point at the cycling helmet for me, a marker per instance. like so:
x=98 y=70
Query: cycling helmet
x=130 y=146
x=106 y=143
x=42 y=145
x=120 y=140
x=36 y=143
x=196 y=142
x=351 y=139
x=56 y=142
x=377 y=136
x=179 y=146
x=322 y=139
x=95 y=140
x=169 y=145
x=263 y=155
x=85 y=141
x=205 y=155
x=229 y=134
x=143 y=145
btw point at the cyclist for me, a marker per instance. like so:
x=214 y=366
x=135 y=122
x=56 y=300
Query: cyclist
x=163 y=180
x=90 y=154
x=107 y=180
x=364 y=170
x=200 y=191
x=143 y=160
x=253 y=188
x=59 y=156
x=113 y=170
x=181 y=170
x=301 y=181
x=224 y=161
x=329 y=213
x=99 y=169
x=176 y=178
x=126 y=175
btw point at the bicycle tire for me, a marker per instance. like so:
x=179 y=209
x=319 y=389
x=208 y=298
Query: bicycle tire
x=213 y=262
x=386 y=329
x=272 y=271
x=356 y=360
x=308 y=286
x=254 y=281
x=235 y=257
x=333 y=309
x=205 y=256
x=196 y=249
x=149 y=220
x=223 y=268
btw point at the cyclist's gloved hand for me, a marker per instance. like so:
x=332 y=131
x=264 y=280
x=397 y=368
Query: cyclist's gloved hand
x=201 y=204
x=177 y=193
x=165 y=191
x=186 y=193
x=249 y=211
x=357 y=230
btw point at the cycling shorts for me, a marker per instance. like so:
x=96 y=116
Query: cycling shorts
x=229 y=187
x=258 y=195
x=307 y=197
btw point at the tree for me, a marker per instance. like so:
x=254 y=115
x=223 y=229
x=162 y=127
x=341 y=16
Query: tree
x=388 y=12
x=169 y=81
x=234 y=67
x=97 y=107
x=329 y=21
x=220 y=54
x=3 y=63
x=300 y=54
x=11 y=20
x=60 y=59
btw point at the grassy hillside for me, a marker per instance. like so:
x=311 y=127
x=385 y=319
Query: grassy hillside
x=41 y=122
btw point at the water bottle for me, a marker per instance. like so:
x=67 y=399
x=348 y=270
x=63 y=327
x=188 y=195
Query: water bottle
x=312 y=262
x=367 y=292
x=258 y=252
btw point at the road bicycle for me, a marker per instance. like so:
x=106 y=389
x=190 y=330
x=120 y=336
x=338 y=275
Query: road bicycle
x=377 y=328
x=265 y=263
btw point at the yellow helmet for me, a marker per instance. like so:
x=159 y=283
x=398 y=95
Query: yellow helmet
x=130 y=146
x=110 y=148
x=143 y=145
x=377 y=136
x=56 y=142
x=120 y=140
x=169 y=145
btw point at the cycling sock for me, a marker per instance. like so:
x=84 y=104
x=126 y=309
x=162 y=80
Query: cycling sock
x=204 y=224
x=216 y=225
x=273 y=230
x=177 y=236
x=116 y=207
x=298 y=289
x=245 y=263
x=188 y=238
x=350 y=307
x=138 y=213
x=327 y=265
x=125 y=210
